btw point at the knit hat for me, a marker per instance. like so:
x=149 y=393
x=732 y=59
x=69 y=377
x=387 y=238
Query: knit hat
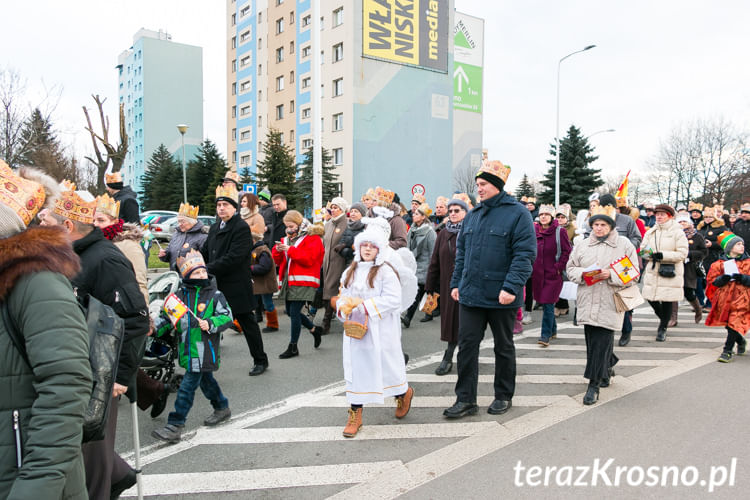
x=22 y=196
x=459 y=203
x=663 y=207
x=114 y=180
x=465 y=198
x=728 y=240
x=359 y=207
x=685 y=217
x=265 y=195
x=189 y=261
x=294 y=217
x=606 y=213
x=494 y=172
x=341 y=203
x=373 y=235
x=607 y=200
x=227 y=193
x=547 y=209
x=745 y=207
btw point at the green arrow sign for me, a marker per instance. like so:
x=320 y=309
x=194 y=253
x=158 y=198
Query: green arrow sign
x=467 y=87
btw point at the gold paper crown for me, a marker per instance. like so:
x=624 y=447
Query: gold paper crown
x=107 y=205
x=384 y=195
x=229 y=191
x=563 y=209
x=441 y=200
x=695 y=206
x=191 y=261
x=608 y=211
x=23 y=196
x=495 y=168
x=73 y=207
x=188 y=210
x=424 y=209
x=232 y=176
x=113 y=178
x=369 y=195
x=528 y=199
x=547 y=209
x=419 y=198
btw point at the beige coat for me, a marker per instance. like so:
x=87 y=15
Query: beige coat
x=670 y=240
x=333 y=263
x=256 y=222
x=129 y=243
x=596 y=303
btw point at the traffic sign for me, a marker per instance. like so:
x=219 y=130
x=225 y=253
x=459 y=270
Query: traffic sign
x=250 y=188
x=417 y=189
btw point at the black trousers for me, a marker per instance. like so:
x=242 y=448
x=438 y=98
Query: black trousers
x=600 y=356
x=529 y=299
x=104 y=466
x=663 y=311
x=473 y=322
x=413 y=308
x=689 y=294
x=251 y=331
x=733 y=337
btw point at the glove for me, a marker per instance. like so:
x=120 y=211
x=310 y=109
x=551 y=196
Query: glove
x=744 y=280
x=657 y=256
x=722 y=280
x=735 y=277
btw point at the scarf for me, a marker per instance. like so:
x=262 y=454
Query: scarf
x=690 y=231
x=111 y=231
x=245 y=212
x=453 y=228
x=355 y=225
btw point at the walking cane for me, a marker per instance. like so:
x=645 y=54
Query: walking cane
x=137 y=445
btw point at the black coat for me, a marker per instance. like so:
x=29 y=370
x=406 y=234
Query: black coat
x=742 y=229
x=108 y=275
x=711 y=232
x=128 y=205
x=276 y=228
x=696 y=253
x=439 y=275
x=227 y=255
x=345 y=248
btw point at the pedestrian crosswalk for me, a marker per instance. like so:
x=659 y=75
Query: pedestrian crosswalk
x=389 y=457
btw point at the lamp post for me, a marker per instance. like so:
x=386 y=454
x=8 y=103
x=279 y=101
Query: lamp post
x=183 y=128
x=557 y=124
x=600 y=132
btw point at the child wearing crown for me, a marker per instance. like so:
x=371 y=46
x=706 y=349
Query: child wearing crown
x=199 y=315
x=374 y=365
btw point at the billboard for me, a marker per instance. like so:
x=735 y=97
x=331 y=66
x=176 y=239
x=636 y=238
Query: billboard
x=468 y=62
x=411 y=32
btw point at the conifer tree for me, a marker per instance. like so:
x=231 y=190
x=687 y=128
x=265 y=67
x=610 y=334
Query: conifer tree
x=41 y=149
x=215 y=165
x=277 y=170
x=524 y=188
x=200 y=175
x=331 y=186
x=161 y=185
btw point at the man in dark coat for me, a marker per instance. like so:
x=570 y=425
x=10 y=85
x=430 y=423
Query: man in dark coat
x=742 y=225
x=494 y=255
x=107 y=275
x=125 y=195
x=227 y=254
x=276 y=229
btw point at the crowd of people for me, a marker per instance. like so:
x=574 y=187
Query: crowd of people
x=372 y=265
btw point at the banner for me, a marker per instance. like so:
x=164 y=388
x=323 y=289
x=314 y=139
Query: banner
x=174 y=308
x=468 y=60
x=411 y=32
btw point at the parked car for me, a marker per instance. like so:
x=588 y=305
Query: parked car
x=163 y=230
x=148 y=216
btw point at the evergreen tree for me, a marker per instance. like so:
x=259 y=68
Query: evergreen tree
x=200 y=176
x=277 y=170
x=162 y=182
x=577 y=178
x=524 y=188
x=218 y=171
x=305 y=181
x=41 y=149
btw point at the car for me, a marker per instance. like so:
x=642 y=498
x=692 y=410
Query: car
x=151 y=214
x=207 y=220
x=164 y=229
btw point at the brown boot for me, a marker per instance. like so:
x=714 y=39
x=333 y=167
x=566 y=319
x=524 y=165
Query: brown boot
x=697 y=310
x=354 y=423
x=673 y=319
x=327 y=318
x=272 y=321
x=403 y=403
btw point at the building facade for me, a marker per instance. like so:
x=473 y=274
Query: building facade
x=386 y=83
x=160 y=86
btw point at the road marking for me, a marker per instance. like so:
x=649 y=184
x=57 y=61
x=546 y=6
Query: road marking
x=520 y=379
x=577 y=361
x=446 y=401
x=655 y=349
x=710 y=340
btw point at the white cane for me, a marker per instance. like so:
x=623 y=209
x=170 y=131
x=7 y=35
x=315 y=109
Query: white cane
x=137 y=445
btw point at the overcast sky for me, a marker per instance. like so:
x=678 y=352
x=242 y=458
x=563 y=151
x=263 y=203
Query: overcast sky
x=656 y=64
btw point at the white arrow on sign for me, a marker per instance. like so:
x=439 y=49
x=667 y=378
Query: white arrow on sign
x=461 y=75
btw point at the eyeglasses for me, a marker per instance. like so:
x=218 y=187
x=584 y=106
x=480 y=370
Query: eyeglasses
x=454 y=211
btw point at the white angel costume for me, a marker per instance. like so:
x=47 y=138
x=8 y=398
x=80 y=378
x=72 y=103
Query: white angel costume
x=374 y=365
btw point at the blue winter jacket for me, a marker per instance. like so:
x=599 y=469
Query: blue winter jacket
x=495 y=251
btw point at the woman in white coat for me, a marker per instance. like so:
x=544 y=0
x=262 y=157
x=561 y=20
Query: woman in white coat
x=374 y=365
x=665 y=247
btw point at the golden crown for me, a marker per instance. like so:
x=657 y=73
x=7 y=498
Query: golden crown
x=745 y=207
x=369 y=195
x=188 y=210
x=465 y=198
x=113 y=178
x=192 y=260
x=107 y=205
x=441 y=200
x=228 y=191
x=73 y=207
x=528 y=199
x=608 y=211
x=419 y=198
x=384 y=195
x=563 y=209
x=695 y=206
x=23 y=196
x=424 y=209
x=495 y=168
x=547 y=209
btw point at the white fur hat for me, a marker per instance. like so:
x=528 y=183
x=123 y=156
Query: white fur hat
x=379 y=223
x=376 y=237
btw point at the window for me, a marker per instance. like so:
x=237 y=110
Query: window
x=234 y=88
x=338 y=156
x=291 y=47
x=245 y=160
x=260 y=120
x=338 y=87
x=281 y=138
x=279 y=83
x=234 y=19
x=322 y=22
x=260 y=17
x=245 y=110
x=338 y=52
x=260 y=69
x=306 y=20
x=246 y=86
x=234 y=65
x=245 y=11
x=245 y=61
x=306 y=51
x=338 y=122
x=322 y=57
x=291 y=135
x=279 y=54
x=306 y=113
x=244 y=36
x=234 y=134
x=306 y=143
x=234 y=156
x=279 y=2
x=260 y=95
x=291 y=77
x=291 y=17
x=245 y=135
x=306 y=82
x=291 y=106
x=280 y=112
x=279 y=25
x=234 y=42
x=338 y=17
x=260 y=43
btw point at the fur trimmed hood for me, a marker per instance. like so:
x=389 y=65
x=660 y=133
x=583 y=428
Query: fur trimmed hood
x=35 y=250
x=315 y=230
x=129 y=231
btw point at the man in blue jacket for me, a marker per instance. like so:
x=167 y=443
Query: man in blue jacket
x=494 y=254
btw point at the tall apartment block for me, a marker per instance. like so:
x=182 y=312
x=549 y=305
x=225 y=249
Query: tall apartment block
x=387 y=82
x=161 y=86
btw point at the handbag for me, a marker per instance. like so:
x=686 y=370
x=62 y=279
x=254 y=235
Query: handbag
x=666 y=270
x=429 y=303
x=628 y=298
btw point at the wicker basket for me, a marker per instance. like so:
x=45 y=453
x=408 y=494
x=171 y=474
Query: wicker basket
x=354 y=329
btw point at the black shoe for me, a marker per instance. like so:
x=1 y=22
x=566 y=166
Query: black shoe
x=445 y=367
x=406 y=321
x=741 y=347
x=268 y=329
x=592 y=396
x=291 y=351
x=426 y=318
x=158 y=407
x=257 y=370
x=460 y=409
x=624 y=339
x=406 y=359
x=436 y=313
x=317 y=332
x=661 y=334
x=123 y=484
x=499 y=406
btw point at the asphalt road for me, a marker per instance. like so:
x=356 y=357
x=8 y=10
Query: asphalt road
x=670 y=404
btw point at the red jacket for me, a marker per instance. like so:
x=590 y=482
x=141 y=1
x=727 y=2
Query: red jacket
x=303 y=259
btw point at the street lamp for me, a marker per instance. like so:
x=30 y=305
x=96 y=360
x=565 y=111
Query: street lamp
x=183 y=128
x=600 y=132
x=557 y=125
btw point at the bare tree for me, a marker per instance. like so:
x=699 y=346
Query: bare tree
x=114 y=155
x=464 y=178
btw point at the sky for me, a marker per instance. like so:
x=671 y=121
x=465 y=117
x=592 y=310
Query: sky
x=656 y=65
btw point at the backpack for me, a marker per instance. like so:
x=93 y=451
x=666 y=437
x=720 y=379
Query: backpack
x=106 y=333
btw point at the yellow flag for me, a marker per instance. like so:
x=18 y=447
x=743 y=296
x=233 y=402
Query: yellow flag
x=174 y=308
x=622 y=191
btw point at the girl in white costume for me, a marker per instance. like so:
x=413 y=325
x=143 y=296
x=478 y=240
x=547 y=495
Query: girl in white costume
x=374 y=365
